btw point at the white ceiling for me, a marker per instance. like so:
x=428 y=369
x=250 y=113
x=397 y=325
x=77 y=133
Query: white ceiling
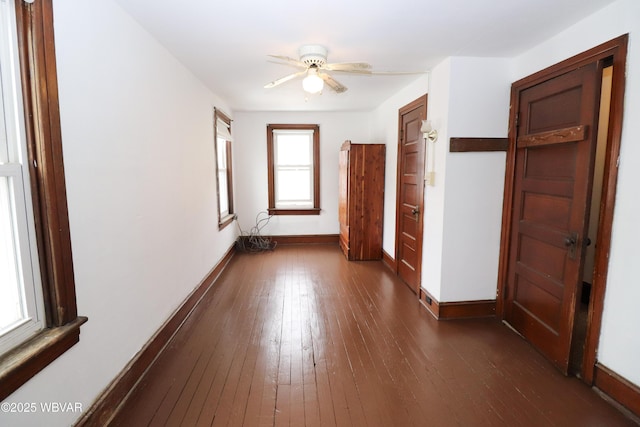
x=225 y=43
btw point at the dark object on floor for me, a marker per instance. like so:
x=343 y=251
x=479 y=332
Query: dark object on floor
x=586 y=293
x=253 y=241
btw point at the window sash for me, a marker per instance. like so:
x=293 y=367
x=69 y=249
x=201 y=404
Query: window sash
x=21 y=288
x=294 y=186
x=223 y=184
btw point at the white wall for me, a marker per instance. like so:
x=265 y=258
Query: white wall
x=468 y=97
x=619 y=344
x=474 y=181
x=139 y=162
x=438 y=110
x=384 y=128
x=250 y=154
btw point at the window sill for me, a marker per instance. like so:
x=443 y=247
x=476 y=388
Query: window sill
x=276 y=211
x=226 y=221
x=26 y=360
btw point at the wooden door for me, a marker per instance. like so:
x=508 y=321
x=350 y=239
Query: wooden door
x=410 y=192
x=555 y=145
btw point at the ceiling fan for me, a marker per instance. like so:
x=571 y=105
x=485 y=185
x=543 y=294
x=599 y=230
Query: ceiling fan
x=313 y=64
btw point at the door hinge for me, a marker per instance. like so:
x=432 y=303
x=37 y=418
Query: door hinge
x=401 y=135
x=517 y=120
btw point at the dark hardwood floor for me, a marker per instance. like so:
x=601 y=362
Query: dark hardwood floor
x=301 y=337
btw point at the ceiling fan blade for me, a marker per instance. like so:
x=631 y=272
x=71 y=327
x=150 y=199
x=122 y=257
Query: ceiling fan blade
x=283 y=79
x=333 y=83
x=378 y=73
x=289 y=61
x=396 y=73
x=348 y=66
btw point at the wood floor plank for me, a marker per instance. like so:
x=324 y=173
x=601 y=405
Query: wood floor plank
x=178 y=353
x=366 y=381
x=310 y=390
x=299 y=336
x=390 y=360
x=244 y=375
x=320 y=346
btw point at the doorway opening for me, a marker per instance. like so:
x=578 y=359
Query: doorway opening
x=582 y=305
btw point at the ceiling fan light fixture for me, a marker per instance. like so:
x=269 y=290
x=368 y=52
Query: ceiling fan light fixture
x=312 y=83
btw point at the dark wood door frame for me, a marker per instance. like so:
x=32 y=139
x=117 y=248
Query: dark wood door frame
x=419 y=103
x=615 y=52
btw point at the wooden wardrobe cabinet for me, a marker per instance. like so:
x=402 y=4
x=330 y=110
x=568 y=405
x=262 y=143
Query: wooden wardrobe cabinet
x=361 y=200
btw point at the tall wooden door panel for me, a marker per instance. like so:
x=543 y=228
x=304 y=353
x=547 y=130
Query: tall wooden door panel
x=554 y=160
x=410 y=202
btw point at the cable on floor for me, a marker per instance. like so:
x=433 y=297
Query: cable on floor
x=253 y=241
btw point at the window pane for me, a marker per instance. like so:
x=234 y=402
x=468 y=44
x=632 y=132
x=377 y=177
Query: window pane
x=222 y=153
x=293 y=185
x=222 y=158
x=11 y=305
x=224 y=193
x=293 y=175
x=293 y=149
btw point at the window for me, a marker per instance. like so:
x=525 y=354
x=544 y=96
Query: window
x=293 y=153
x=38 y=315
x=21 y=306
x=224 y=168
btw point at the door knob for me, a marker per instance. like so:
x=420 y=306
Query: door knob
x=415 y=211
x=571 y=242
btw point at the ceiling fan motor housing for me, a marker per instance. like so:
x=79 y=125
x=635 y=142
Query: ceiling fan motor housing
x=313 y=55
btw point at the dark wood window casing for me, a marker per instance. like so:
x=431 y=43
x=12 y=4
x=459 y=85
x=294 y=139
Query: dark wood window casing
x=225 y=220
x=316 y=170
x=44 y=140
